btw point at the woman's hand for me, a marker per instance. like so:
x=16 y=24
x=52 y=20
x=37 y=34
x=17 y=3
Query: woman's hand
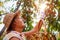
x=35 y=29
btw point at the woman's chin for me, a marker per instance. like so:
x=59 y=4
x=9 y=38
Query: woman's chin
x=19 y=30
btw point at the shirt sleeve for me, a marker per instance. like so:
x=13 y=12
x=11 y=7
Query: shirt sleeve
x=10 y=35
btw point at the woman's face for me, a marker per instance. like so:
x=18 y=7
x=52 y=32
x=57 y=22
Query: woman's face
x=18 y=24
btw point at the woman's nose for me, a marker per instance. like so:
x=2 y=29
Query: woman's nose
x=23 y=24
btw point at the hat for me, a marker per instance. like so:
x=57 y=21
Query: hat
x=9 y=18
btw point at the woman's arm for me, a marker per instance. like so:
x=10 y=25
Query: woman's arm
x=35 y=29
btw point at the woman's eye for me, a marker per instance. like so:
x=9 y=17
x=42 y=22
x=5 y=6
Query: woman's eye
x=24 y=21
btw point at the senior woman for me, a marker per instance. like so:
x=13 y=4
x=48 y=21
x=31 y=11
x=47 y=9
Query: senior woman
x=15 y=25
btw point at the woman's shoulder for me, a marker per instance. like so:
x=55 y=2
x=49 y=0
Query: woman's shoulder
x=11 y=34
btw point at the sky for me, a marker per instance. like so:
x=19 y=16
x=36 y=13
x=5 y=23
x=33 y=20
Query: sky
x=6 y=8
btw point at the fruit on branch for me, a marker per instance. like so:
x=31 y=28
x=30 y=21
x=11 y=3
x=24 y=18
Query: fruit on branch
x=25 y=17
x=29 y=10
x=49 y=11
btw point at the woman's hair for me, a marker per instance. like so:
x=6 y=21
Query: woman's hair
x=9 y=29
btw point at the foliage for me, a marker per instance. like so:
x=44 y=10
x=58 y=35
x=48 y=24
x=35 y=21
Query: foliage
x=53 y=20
x=27 y=12
x=41 y=36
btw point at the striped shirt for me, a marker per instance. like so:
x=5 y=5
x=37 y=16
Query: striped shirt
x=14 y=34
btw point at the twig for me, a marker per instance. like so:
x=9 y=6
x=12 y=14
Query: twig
x=18 y=4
